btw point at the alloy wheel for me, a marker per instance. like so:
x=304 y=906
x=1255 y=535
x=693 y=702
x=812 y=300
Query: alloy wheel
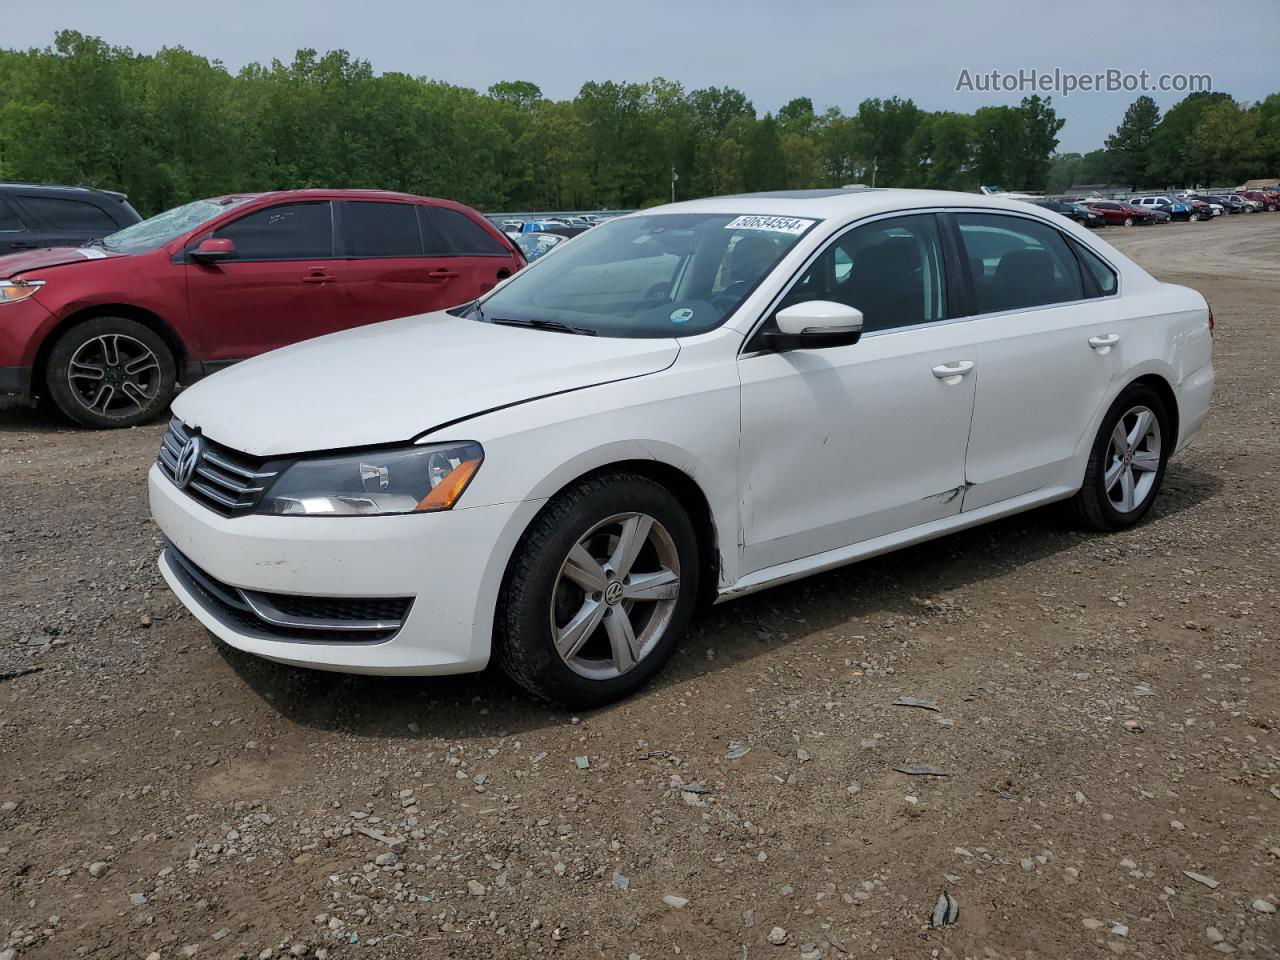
x=114 y=375
x=615 y=595
x=1133 y=459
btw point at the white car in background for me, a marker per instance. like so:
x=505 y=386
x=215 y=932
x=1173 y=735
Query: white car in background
x=701 y=400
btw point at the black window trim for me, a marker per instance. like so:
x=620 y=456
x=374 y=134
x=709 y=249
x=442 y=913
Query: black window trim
x=750 y=346
x=338 y=216
x=205 y=233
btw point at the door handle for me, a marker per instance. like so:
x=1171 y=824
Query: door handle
x=1103 y=344
x=952 y=372
x=318 y=277
x=441 y=273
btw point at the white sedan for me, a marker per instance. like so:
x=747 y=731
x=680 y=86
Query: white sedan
x=693 y=402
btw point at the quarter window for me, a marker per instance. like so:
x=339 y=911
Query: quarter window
x=1103 y=275
x=891 y=270
x=1017 y=263
x=464 y=237
x=374 y=229
x=290 y=231
x=70 y=215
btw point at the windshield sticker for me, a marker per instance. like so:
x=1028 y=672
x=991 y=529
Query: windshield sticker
x=792 y=225
x=683 y=315
x=91 y=254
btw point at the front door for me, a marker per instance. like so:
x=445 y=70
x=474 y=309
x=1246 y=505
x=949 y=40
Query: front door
x=845 y=444
x=283 y=285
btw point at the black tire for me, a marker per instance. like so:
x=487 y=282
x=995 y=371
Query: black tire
x=1092 y=507
x=139 y=391
x=1128 y=221
x=523 y=642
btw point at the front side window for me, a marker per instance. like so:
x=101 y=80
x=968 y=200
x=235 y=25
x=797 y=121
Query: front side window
x=655 y=275
x=1017 y=263
x=289 y=231
x=375 y=229
x=891 y=270
x=9 y=220
x=154 y=232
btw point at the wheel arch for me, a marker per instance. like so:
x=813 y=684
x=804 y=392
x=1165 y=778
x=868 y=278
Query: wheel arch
x=1164 y=390
x=147 y=318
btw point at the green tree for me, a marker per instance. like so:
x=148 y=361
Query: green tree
x=1129 y=148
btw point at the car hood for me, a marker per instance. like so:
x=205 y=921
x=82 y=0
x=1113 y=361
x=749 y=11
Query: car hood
x=12 y=264
x=390 y=382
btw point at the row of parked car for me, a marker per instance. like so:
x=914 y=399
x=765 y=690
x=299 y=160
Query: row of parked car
x=1149 y=209
x=103 y=313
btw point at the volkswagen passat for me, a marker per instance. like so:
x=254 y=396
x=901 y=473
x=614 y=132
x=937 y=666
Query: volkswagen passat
x=701 y=400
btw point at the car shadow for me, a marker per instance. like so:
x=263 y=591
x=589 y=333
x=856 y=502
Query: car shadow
x=895 y=585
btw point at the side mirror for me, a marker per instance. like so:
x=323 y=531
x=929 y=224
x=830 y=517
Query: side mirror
x=214 y=250
x=815 y=324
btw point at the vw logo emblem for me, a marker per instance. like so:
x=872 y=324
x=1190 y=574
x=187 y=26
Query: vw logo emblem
x=613 y=592
x=188 y=460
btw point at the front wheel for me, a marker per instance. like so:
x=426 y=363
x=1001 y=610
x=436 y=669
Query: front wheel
x=1127 y=463
x=1128 y=221
x=111 y=372
x=600 y=591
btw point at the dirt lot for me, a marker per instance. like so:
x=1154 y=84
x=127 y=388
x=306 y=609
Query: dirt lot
x=164 y=796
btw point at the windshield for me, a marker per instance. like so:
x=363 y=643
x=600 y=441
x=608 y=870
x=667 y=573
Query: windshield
x=659 y=275
x=154 y=233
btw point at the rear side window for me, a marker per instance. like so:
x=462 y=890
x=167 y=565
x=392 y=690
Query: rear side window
x=463 y=236
x=1103 y=275
x=890 y=269
x=70 y=215
x=289 y=231
x=373 y=229
x=1017 y=263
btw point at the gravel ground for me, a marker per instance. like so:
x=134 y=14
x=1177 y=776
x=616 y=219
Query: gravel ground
x=1107 y=723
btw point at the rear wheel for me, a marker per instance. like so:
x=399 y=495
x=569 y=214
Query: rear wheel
x=1127 y=463
x=1128 y=221
x=599 y=592
x=110 y=372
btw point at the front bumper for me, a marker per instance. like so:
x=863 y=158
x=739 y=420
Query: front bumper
x=450 y=564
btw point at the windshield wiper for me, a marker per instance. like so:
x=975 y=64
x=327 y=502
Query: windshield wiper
x=553 y=325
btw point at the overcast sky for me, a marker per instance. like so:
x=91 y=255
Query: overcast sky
x=836 y=52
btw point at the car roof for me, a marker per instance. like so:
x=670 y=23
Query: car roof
x=324 y=193
x=841 y=203
x=54 y=189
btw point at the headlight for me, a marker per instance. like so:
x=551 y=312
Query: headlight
x=398 y=480
x=11 y=291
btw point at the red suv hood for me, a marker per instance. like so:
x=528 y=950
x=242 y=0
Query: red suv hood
x=15 y=263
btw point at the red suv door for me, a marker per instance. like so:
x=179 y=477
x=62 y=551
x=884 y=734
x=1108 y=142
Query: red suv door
x=478 y=254
x=282 y=285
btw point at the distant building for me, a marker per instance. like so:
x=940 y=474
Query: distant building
x=1262 y=184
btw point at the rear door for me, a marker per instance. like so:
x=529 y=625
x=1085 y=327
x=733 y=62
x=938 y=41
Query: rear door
x=477 y=258
x=15 y=230
x=64 y=221
x=386 y=265
x=282 y=286
x=1048 y=331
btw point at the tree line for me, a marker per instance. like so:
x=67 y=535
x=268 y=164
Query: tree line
x=172 y=126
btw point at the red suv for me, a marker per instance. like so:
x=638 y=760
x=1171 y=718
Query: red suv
x=108 y=328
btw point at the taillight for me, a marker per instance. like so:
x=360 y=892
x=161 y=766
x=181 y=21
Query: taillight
x=1211 y=321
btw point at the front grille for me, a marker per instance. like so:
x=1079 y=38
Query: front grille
x=224 y=480
x=292 y=617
